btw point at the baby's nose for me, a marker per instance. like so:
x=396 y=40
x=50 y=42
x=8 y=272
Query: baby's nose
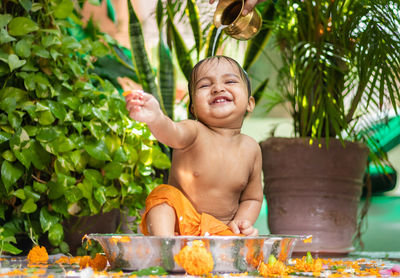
x=218 y=88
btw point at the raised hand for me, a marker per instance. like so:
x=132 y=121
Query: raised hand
x=142 y=107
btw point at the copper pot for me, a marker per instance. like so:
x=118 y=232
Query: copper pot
x=229 y=13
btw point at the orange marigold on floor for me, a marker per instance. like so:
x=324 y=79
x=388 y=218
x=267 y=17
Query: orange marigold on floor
x=195 y=259
x=98 y=263
x=38 y=254
x=277 y=268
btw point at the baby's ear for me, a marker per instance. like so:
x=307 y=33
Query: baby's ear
x=251 y=104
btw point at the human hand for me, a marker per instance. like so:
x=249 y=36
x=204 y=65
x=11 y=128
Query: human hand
x=142 y=107
x=248 y=5
x=243 y=227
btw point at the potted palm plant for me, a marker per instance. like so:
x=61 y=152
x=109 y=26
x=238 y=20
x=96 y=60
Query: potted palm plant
x=340 y=59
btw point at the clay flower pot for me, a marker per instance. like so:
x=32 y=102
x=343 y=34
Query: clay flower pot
x=313 y=190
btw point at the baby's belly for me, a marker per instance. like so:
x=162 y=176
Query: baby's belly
x=223 y=211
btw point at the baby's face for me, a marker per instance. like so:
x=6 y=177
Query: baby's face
x=220 y=94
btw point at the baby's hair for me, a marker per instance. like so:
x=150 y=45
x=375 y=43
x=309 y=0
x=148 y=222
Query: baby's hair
x=193 y=75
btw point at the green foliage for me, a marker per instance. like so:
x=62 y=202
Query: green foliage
x=67 y=144
x=172 y=47
x=341 y=59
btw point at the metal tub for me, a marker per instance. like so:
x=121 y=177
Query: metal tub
x=230 y=253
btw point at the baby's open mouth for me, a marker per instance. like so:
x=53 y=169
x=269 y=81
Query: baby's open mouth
x=221 y=99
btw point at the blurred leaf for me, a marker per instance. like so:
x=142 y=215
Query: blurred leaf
x=64 y=9
x=20 y=26
x=56 y=234
x=183 y=55
x=98 y=150
x=192 y=12
x=29 y=206
x=10 y=173
x=47 y=219
x=139 y=55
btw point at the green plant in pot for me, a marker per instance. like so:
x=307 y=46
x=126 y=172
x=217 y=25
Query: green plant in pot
x=68 y=147
x=340 y=60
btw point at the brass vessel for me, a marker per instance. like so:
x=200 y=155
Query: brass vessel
x=229 y=13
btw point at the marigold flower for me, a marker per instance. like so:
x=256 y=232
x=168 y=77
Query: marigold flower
x=277 y=268
x=195 y=259
x=98 y=263
x=38 y=254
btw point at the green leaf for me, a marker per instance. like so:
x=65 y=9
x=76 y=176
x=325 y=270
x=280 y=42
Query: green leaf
x=19 y=140
x=192 y=12
x=146 y=157
x=100 y=195
x=56 y=190
x=119 y=155
x=56 y=234
x=74 y=194
x=60 y=206
x=15 y=119
x=29 y=193
x=98 y=150
x=4 y=137
x=14 y=62
x=58 y=110
x=94 y=177
x=113 y=170
x=48 y=134
x=46 y=118
x=47 y=219
x=166 y=78
x=5 y=19
x=5 y=37
x=19 y=194
x=139 y=54
x=29 y=206
x=27 y=4
x=23 y=48
x=20 y=26
x=24 y=156
x=39 y=187
x=39 y=157
x=10 y=173
x=183 y=55
x=111 y=191
x=86 y=188
x=50 y=40
x=64 y=144
x=64 y=9
x=79 y=159
x=8 y=247
x=161 y=160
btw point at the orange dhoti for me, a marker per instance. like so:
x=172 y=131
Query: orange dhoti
x=190 y=222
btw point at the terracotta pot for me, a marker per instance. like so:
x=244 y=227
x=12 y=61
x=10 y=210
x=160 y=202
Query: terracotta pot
x=313 y=190
x=76 y=227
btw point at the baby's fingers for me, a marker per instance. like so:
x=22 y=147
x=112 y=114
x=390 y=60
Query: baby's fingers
x=250 y=231
x=234 y=227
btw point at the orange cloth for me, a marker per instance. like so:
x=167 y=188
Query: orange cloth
x=190 y=222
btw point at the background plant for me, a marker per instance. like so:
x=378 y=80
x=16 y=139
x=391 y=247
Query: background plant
x=67 y=144
x=341 y=61
x=177 y=55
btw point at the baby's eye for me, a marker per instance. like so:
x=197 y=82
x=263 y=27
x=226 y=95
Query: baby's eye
x=231 y=81
x=203 y=85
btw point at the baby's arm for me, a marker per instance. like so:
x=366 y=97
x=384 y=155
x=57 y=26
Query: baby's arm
x=144 y=107
x=250 y=200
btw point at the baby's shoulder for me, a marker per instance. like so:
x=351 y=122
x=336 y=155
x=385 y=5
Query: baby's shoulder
x=250 y=143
